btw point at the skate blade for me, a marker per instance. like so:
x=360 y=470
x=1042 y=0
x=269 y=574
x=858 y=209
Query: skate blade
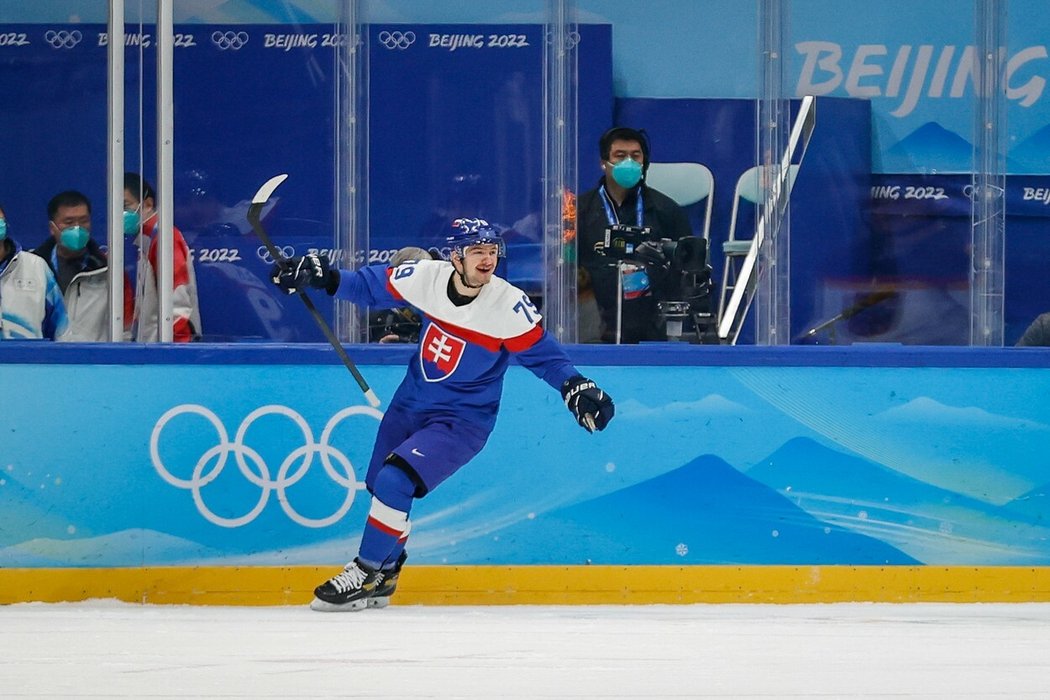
x=380 y=602
x=353 y=606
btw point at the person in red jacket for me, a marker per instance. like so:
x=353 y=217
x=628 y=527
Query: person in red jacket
x=140 y=220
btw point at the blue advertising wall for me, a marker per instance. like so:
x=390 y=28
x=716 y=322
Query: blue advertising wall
x=456 y=128
x=911 y=62
x=914 y=61
x=215 y=455
x=230 y=137
x=910 y=59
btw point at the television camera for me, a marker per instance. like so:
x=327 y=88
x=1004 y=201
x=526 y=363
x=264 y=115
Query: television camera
x=679 y=276
x=401 y=325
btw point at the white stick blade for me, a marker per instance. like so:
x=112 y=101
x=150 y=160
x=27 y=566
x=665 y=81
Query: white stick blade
x=373 y=400
x=263 y=195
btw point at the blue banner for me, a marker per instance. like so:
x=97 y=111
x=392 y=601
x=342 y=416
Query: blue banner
x=217 y=456
x=922 y=235
x=253 y=101
x=230 y=137
x=953 y=195
x=457 y=126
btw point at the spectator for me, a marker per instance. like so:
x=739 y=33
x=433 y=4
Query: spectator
x=1037 y=334
x=31 y=304
x=140 y=221
x=80 y=267
x=622 y=197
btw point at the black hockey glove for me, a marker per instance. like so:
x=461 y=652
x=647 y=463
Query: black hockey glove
x=296 y=274
x=591 y=406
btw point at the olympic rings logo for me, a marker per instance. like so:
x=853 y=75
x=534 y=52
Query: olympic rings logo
x=62 y=39
x=263 y=253
x=987 y=192
x=254 y=468
x=572 y=39
x=227 y=41
x=397 y=40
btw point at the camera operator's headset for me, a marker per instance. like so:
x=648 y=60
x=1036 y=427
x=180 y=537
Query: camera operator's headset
x=625 y=133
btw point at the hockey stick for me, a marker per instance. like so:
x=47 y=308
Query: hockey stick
x=254 y=212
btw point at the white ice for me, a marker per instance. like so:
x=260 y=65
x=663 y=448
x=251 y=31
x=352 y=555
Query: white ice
x=116 y=650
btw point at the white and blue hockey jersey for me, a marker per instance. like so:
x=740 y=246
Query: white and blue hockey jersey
x=463 y=351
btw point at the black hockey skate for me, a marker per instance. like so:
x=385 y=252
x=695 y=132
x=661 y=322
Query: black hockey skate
x=386 y=587
x=349 y=590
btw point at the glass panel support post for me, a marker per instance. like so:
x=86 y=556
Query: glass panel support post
x=773 y=286
x=115 y=168
x=165 y=168
x=560 y=160
x=988 y=209
x=351 y=163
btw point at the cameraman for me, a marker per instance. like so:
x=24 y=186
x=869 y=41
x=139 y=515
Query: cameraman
x=622 y=197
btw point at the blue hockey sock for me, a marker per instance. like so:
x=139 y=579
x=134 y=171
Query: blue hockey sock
x=391 y=560
x=387 y=528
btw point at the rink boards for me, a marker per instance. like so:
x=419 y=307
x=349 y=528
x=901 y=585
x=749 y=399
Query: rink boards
x=542 y=585
x=230 y=474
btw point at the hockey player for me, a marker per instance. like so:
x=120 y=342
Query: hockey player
x=444 y=410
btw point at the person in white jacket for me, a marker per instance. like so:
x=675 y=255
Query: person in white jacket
x=81 y=269
x=140 y=220
x=31 y=305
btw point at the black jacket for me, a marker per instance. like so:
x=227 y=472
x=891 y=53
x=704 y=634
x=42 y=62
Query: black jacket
x=666 y=219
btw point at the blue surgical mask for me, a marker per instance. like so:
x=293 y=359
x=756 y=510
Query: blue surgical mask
x=131 y=222
x=627 y=172
x=75 y=237
x=3 y=229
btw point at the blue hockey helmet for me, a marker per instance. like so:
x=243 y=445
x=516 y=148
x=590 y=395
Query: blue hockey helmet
x=465 y=233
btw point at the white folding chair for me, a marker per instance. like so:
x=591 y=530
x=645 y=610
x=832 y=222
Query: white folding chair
x=748 y=188
x=686 y=184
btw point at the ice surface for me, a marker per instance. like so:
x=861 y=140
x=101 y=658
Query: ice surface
x=111 y=649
